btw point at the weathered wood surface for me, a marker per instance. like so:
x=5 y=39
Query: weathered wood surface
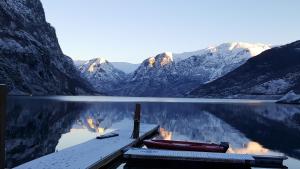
x=140 y=153
x=92 y=154
x=136 y=121
x=142 y=156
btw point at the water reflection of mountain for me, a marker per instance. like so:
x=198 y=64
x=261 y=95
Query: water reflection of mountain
x=34 y=128
x=103 y=115
x=193 y=122
x=277 y=127
x=274 y=126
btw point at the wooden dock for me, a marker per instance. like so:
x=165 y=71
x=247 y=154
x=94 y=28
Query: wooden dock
x=94 y=153
x=151 y=158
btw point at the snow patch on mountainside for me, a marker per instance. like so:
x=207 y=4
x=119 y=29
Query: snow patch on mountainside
x=32 y=61
x=272 y=87
x=101 y=73
x=234 y=47
x=168 y=74
x=123 y=66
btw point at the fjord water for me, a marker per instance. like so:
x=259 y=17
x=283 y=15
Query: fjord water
x=37 y=126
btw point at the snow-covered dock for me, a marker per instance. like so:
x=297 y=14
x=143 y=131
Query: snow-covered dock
x=92 y=154
x=146 y=157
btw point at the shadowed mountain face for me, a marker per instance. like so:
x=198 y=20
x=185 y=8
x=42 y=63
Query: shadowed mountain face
x=275 y=71
x=33 y=130
x=102 y=74
x=31 y=61
x=170 y=74
x=35 y=127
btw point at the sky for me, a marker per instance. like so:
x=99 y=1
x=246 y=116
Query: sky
x=132 y=30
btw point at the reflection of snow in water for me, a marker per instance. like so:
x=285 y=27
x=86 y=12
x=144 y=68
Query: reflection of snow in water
x=82 y=133
x=206 y=128
x=249 y=148
x=280 y=113
x=73 y=123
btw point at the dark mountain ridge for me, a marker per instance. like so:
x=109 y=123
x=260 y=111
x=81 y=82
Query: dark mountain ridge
x=31 y=60
x=274 y=72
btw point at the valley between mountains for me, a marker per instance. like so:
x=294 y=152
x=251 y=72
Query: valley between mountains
x=32 y=63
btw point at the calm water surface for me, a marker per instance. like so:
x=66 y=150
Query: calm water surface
x=38 y=126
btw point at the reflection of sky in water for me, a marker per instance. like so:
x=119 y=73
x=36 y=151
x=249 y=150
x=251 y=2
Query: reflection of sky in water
x=80 y=133
x=256 y=128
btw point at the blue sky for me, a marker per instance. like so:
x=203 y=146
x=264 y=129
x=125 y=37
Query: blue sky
x=132 y=30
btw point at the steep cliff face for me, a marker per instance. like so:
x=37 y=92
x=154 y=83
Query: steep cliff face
x=34 y=128
x=31 y=61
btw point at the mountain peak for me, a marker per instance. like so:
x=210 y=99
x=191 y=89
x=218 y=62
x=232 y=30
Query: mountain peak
x=99 y=60
x=254 y=48
x=161 y=59
x=225 y=48
x=101 y=73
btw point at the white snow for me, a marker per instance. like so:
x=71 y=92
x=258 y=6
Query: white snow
x=272 y=86
x=101 y=74
x=194 y=155
x=86 y=154
x=290 y=98
x=173 y=71
x=227 y=48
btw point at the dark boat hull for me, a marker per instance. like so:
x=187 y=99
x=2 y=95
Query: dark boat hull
x=186 y=146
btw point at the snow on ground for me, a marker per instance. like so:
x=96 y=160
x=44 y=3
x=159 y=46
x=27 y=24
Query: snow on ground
x=86 y=154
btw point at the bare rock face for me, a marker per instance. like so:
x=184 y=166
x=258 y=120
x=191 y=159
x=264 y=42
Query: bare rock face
x=31 y=61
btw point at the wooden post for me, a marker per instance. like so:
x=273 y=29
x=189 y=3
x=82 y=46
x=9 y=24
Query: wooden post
x=137 y=117
x=3 y=94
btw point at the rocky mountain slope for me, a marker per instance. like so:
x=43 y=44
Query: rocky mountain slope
x=102 y=74
x=31 y=61
x=170 y=74
x=275 y=71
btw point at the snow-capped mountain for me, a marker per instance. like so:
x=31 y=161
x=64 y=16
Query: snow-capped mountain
x=152 y=76
x=170 y=74
x=126 y=67
x=273 y=72
x=219 y=60
x=31 y=60
x=102 y=74
x=234 y=47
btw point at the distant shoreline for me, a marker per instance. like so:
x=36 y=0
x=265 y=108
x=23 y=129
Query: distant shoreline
x=147 y=99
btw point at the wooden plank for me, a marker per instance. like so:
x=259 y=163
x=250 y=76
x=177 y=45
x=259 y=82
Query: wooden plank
x=136 y=121
x=3 y=95
x=137 y=153
x=268 y=161
x=94 y=153
x=140 y=156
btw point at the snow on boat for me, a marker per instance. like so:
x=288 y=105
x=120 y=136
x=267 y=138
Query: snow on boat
x=187 y=146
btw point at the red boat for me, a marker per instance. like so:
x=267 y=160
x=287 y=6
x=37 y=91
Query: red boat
x=187 y=146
